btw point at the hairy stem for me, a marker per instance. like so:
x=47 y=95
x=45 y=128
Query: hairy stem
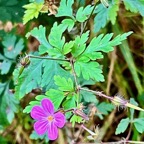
x=88 y=20
x=48 y=58
x=76 y=81
x=97 y=93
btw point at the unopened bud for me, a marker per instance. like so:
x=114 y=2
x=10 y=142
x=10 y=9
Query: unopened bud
x=81 y=114
x=119 y=101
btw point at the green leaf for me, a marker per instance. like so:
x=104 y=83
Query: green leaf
x=69 y=103
x=8 y=104
x=32 y=11
x=139 y=124
x=39 y=34
x=69 y=23
x=55 y=36
x=11 y=10
x=132 y=101
x=63 y=84
x=112 y=12
x=68 y=47
x=122 y=126
x=39 y=73
x=12 y=46
x=88 y=97
x=101 y=17
x=56 y=97
x=79 y=44
x=105 y=108
x=36 y=136
x=83 y=13
x=104 y=43
x=90 y=70
x=30 y=106
x=135 y=6
x=65 y=8
x=75 y=119
x=5 y=66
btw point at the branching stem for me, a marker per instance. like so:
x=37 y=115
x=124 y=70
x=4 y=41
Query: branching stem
x=75 y=78
x=97 y=93
x=48 y=58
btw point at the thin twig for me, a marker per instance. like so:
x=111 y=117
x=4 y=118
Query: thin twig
x=75 y=78
x=88 y=19
x=97 y=93
x=48 y=58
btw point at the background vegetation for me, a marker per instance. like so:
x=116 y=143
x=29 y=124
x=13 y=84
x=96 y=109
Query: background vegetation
x=123 y=68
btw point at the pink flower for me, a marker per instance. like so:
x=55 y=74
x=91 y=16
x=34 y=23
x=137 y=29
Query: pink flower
x=46 y=120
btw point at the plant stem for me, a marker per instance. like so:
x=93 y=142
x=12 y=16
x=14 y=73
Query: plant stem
x=48 y=58
x=76 y=81
x=97 y=93
x=88 y=20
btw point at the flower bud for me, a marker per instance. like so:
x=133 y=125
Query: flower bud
x=119 y=101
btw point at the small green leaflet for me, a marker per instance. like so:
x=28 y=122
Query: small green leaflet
x=56 y=96
x=135 y=6
x=12 y=48
x=132 y=101
x=65 y=8
x=55 y=36
x=75 y=119
x=39 y=34
x=90 y=70
x=139 y=124
x=104 y=43
x=32 y=11
x=79 y=44
x=63 y=84
x=83 y=13
x=35 y=136
x=103 y=15
x=122 y=126
x=112 y=12
x=88 y=97
x=69 y=23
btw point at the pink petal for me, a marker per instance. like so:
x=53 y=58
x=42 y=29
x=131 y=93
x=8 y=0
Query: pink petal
x=41 y=127
x=47 y=106
x=52 y=131
x=59 y=119
x=37 y=113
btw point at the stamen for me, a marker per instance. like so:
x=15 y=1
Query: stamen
x=50 y=118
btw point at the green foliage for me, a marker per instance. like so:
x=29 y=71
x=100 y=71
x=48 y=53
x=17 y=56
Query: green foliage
x=75 y=119
x=122 y=126
x=12 y=48
x=135 y=6
x=88 y=97
x=39 y=34
x=63 y=84
x=139 y=124
x=104 y=109
x=8 y=104
x=83 y=13
x=65 y=8
x=11 y=10
x=32 y=11
x=35 y=136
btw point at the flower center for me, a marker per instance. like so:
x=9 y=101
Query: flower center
x=50 y=118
